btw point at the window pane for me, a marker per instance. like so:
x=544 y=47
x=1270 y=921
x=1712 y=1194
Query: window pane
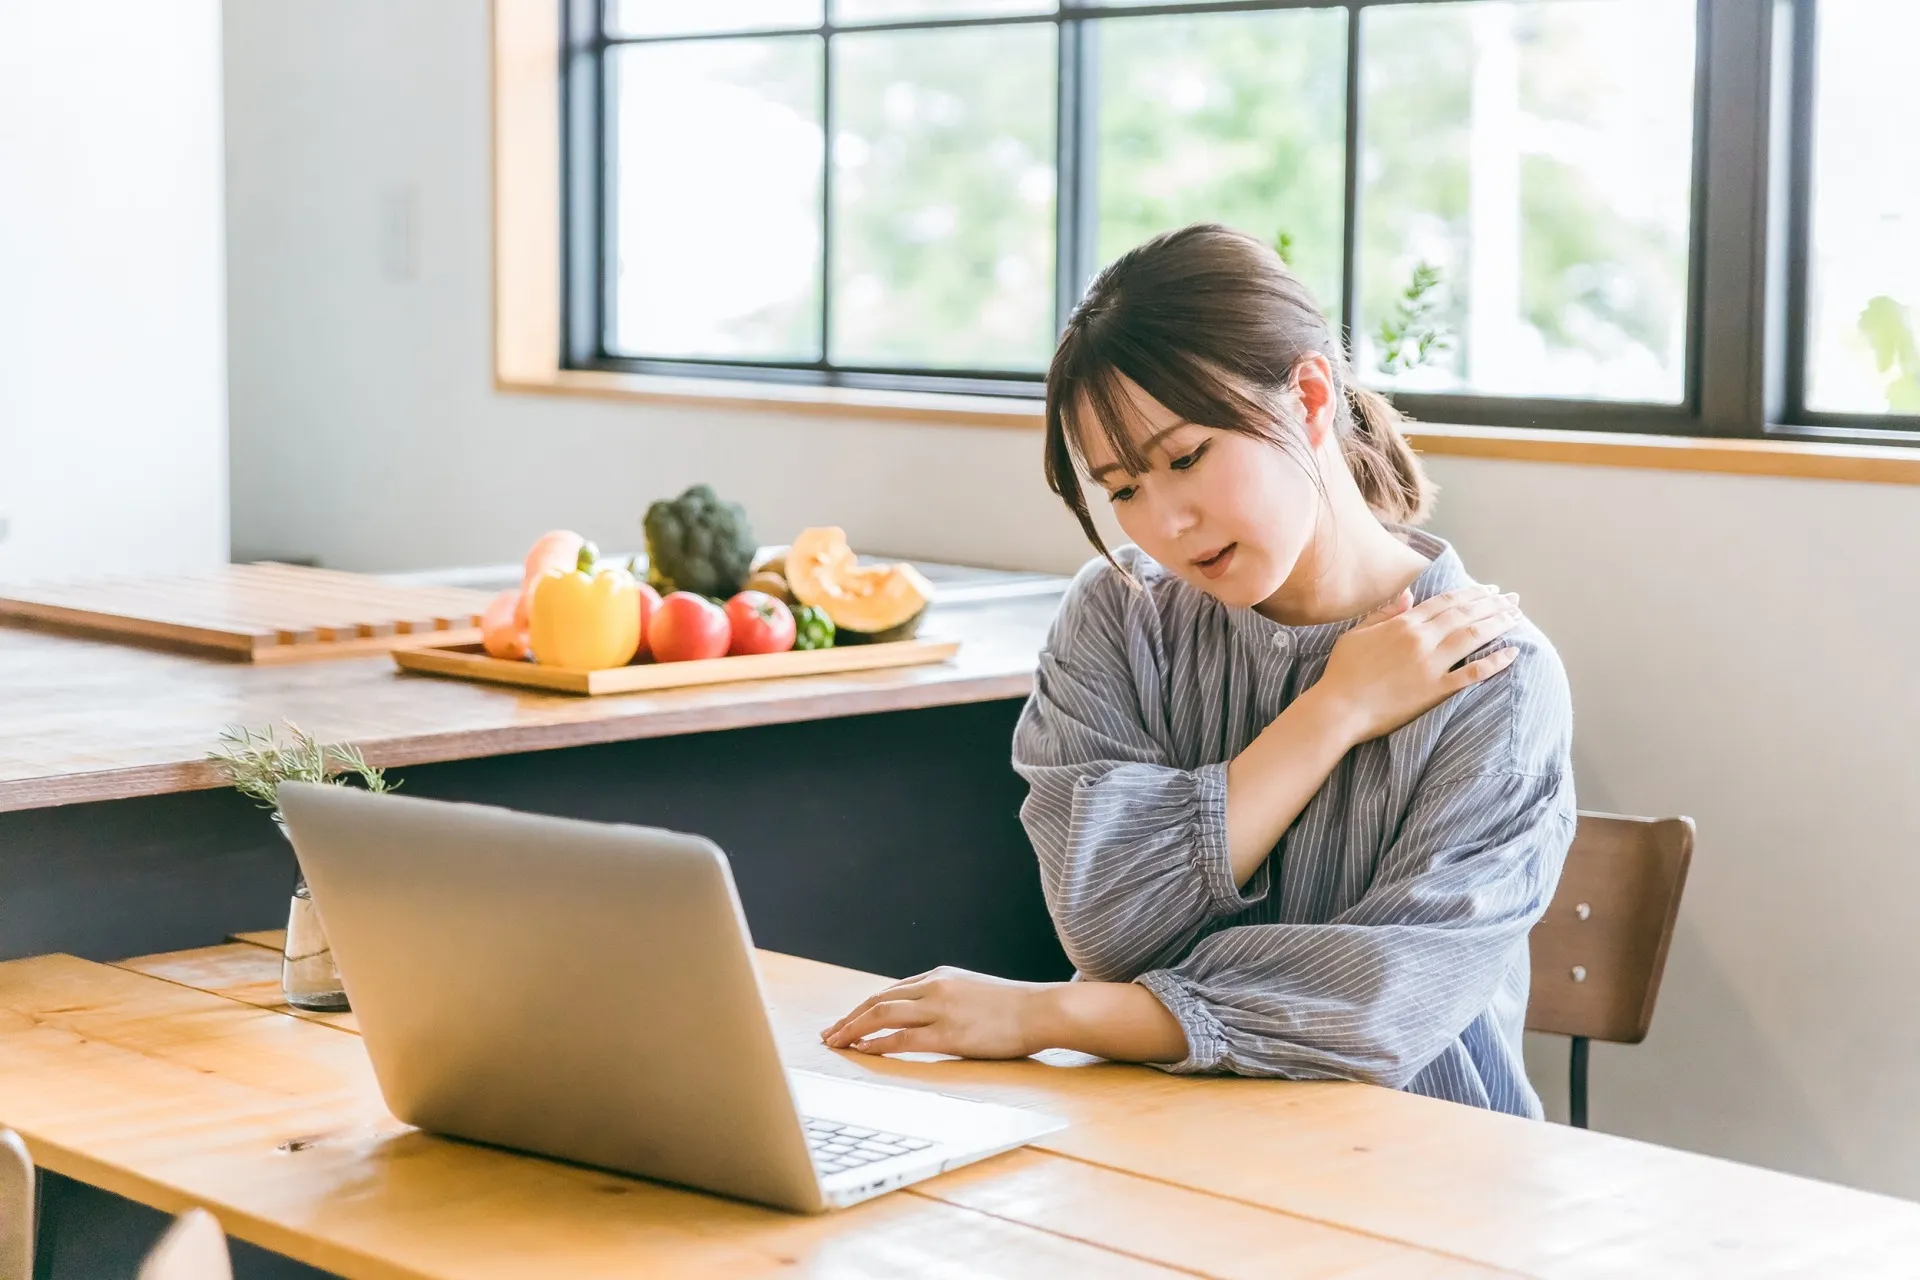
x=681 y=18
x=1540 y=155
x=905 y=10
x=716 y=219
x=1234 y=118
x=943 y=177
x=1864 y=291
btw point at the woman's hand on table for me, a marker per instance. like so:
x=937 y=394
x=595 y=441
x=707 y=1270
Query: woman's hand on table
x=969 y=1015
x=974 y=1015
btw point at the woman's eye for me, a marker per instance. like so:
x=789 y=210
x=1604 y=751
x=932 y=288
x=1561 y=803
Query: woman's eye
x=1121 y=495
x=1187 y=460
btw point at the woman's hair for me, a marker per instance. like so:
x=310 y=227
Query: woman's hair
x=1210 y=323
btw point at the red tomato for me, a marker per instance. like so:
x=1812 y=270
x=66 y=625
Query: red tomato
x=761 y=624
x=687 y=627
x=649 y=605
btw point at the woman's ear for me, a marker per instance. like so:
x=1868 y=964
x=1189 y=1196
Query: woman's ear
x=1313 y=380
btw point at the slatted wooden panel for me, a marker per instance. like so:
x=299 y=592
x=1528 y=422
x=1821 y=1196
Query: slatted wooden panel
x=257 y=612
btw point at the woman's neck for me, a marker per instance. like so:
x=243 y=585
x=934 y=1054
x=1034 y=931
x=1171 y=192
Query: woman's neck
x=1353 y=566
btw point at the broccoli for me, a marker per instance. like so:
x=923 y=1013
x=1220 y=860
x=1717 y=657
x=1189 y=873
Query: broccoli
x=698 y=543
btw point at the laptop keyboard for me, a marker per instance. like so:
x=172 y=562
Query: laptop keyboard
x=839 y=1147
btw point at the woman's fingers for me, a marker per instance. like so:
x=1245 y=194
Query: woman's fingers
x=1480 y=669
x=1454 y=621
x=1474 y=631
x=908 y=990
x=884 y=1016
x=1391 y=609
x=922 y=1039
x=1433 y=607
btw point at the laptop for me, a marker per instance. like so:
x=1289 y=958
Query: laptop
x=587 y=991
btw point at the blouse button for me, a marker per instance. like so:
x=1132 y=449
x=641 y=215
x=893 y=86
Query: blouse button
x=1283 y=642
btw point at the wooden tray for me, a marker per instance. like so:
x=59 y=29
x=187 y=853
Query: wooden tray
x=468 y=662
x=257 y=612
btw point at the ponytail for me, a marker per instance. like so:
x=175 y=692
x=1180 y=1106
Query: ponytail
x=1384 y=465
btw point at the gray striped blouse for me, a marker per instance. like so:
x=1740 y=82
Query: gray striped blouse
x=1385 y=937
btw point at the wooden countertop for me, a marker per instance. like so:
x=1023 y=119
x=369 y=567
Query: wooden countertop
x=172 y=1080
x=84 y=719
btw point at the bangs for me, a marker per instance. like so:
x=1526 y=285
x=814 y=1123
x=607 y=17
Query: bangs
x=1094 y=397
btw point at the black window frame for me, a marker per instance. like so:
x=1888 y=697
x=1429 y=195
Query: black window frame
x=1748 y=260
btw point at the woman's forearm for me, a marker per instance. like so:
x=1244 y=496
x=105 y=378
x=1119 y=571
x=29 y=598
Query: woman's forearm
x=1270 y=783
x=1119 y=1021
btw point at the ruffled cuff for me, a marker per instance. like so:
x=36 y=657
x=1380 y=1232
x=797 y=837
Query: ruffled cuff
x=1206 y=1038
x=1208 y=847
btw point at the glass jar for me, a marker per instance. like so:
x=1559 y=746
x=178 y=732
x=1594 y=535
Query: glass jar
x=307 y=974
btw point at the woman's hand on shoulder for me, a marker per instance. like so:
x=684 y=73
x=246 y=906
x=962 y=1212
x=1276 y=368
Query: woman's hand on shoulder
x=1404 y=659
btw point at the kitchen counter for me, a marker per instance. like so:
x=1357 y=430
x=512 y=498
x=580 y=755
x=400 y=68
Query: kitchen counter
x=85 y=719
x=872 y=818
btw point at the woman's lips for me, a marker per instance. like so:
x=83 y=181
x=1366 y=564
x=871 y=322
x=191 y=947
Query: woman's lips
x=1217 y=564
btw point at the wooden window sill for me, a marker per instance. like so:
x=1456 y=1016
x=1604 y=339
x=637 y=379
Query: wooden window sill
x=1878 y=464
x=780 y=397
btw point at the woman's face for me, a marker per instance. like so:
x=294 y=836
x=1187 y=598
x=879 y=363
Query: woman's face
x=1229 y=513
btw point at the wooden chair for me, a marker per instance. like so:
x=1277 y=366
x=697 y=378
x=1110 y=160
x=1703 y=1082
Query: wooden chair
x=194 y=1247
x=1599 y=951
x=16 y=1208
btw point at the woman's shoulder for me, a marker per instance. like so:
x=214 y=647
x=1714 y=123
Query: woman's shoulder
x=1525 y=713
x=1519 y=721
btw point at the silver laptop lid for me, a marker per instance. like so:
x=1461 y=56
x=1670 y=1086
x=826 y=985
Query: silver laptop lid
x=582 y=990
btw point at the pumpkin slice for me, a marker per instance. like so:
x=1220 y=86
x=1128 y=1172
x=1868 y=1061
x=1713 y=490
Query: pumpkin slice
x=869 y=604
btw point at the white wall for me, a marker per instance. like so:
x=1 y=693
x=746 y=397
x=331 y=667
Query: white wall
x=1742 y=650
x=1737 y=646
x=366 y=427
x=112 y=293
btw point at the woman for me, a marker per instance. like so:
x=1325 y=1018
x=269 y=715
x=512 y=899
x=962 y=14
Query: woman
x=1297 y=801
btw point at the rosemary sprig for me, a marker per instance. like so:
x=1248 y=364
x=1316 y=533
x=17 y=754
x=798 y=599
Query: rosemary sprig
x=257 y=761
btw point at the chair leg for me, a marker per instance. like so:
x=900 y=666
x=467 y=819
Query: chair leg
x=1577 y=1084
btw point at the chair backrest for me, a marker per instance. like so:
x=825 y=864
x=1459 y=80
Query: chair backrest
x=16 y=1208
x=1599 y=951
x=194 y=1248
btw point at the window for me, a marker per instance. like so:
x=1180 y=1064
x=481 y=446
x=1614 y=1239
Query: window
x=1858 y=292
x=1514 y=206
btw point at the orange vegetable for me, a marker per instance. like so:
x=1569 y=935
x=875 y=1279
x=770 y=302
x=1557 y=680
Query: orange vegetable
x=557 y=550
x=502 y=634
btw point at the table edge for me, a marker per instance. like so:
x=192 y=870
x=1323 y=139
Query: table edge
x=132 y=782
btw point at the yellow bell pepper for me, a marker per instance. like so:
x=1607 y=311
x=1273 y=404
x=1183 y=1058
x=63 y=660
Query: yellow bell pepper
x=586 y=618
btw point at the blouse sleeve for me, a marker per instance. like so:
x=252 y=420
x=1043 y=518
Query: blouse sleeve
x=1380 y=991
x=1133 y=852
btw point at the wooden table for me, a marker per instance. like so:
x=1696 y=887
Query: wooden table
x=178 y=1079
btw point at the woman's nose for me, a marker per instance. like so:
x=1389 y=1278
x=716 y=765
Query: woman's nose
x=1177 y=519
